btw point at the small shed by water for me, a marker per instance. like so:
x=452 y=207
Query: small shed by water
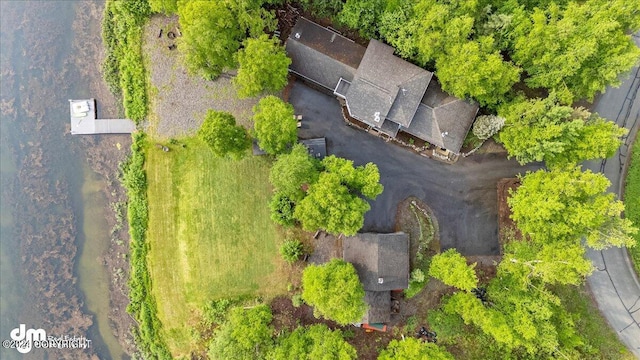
x=84 y=120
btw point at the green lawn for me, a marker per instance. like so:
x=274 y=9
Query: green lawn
x=632 y=200
x=210 y=235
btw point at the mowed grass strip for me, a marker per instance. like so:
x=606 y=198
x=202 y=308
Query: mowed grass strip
x=632 y=200
x=210 y=234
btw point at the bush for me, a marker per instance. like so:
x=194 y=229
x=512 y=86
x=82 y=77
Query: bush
x=282 y=209
x=123 y=68
x=291 y=250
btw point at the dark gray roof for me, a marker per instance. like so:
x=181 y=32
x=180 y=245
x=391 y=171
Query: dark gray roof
x=379 y=307
x=386 y=87
x=322 y=55
x=327 y=42
x=381 y=260
x=442 y=120
x=317 y=147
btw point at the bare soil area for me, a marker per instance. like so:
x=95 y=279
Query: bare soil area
x=179 y=100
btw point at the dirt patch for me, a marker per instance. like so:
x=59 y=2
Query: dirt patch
x=507 y=228
x=179 y=100
x=325 y=248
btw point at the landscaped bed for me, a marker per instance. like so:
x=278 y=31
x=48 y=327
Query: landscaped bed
x=210 y=235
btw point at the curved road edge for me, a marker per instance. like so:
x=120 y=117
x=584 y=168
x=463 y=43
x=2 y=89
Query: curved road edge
x=614 y=283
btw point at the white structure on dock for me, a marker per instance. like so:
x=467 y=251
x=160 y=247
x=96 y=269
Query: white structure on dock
x=84 y=120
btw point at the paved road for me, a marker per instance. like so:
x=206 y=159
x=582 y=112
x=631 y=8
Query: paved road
x=614 y=283
x=463 y=196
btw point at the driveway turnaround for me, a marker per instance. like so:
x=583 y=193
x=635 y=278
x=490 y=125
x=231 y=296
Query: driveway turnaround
x=463 y=196
x=614 y=284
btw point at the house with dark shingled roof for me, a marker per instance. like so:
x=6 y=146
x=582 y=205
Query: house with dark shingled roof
x=382 y=264
x=379 y=89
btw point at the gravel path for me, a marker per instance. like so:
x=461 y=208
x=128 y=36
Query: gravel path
x=178 y=100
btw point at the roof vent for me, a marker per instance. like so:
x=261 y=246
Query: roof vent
x=297 y=35
x=376 y=116
x=380 y=280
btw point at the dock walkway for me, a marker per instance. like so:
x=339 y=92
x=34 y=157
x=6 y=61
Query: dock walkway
x=84 y=120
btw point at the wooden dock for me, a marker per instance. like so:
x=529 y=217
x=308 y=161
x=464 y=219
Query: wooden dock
x=84 y=120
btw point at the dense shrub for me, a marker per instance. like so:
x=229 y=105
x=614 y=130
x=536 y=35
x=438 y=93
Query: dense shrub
x=291 y=250
x=142 y=303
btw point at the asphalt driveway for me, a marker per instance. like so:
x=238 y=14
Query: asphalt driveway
x=463 y=196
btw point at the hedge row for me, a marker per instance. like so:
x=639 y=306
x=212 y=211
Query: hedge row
x=123 y=68
x=143 y=304
x=632 y=200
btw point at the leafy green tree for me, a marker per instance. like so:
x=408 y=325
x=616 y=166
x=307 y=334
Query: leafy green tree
x=485 y=126
x=442 y=25
x=220 y=132
x=564 y=205
x=451 y=268
x=331 y=206
x=291 y=171
x=291 y=250
x=332 y=203
x=365 y=179
x=164 y=6
x=322 y=9
x=263 y=66
x=274 y=124
x=363 y=15
x=576 y=51
x=555 y=263
x=398 y=24
x=313 y=342
x=543 y=130
x=282 y=209
x=476 y=69
x=211 y=35
x=245 y=335
x=335 y=291
x=412 y=349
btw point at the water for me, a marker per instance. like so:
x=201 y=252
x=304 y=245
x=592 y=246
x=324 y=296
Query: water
x=50 y=200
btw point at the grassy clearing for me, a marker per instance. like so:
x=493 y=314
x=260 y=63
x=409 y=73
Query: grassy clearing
x=210 y=235
x=632 y=200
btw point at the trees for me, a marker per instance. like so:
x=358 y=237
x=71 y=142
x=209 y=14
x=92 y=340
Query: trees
x=331 y=206
x=313 y=342
x=245 y=335
x=576 y=51
x=362 y=15
x=220 y=132
x=451 y=268
x=274 y=124
x=475 y=69
x=564 y=205
x=332 y=202
x=282 y=208
x=543 y=130
x=335 y=291
x=486 y=126
x=211 y=35
x=164 y=6
x=291 y=171
x=411 y=348
x=263 y=66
